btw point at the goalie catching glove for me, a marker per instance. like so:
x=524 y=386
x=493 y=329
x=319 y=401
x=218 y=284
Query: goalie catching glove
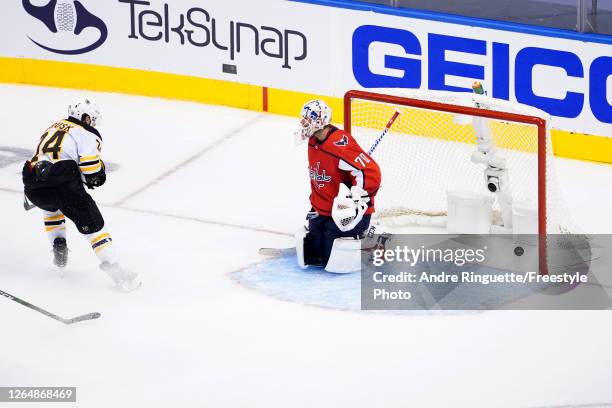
x=349 y=207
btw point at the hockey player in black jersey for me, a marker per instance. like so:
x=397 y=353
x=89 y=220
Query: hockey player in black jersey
x=66 y=160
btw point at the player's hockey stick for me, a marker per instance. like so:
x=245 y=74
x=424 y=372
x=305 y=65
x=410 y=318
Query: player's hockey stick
x=89 y=316
x=384 y=132
x=27 y=205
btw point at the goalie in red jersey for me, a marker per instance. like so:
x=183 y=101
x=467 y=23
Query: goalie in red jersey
x=344 y=180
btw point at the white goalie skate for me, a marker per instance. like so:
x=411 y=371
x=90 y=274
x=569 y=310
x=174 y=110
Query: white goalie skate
x=125 y=280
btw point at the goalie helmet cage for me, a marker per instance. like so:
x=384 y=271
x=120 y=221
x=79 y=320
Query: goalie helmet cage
x=365 y=113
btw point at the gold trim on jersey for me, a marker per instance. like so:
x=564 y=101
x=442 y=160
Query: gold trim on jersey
x=91 y=169
x=88 y=158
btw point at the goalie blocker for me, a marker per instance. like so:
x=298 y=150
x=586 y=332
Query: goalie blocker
x=339 y=215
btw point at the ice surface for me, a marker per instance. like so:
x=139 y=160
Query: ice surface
x=197 y=191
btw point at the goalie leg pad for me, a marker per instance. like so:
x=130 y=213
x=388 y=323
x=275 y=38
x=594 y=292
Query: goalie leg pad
x=345 y=256
x=308 y=248
x=300 y=237
x=332 y=232
x=315 y=246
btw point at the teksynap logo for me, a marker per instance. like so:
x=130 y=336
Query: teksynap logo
x=385 y=57
x=66 y=20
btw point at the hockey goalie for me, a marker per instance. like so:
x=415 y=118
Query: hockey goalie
x=344 y=180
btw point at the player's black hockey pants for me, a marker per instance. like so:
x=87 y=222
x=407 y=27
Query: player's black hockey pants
x=73 y=201
x=322 y=231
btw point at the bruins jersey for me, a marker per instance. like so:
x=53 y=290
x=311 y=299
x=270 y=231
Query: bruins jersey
x=73 y=147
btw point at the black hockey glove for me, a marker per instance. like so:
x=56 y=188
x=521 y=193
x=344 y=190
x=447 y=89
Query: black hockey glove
x=42 y=170
x=97 y=179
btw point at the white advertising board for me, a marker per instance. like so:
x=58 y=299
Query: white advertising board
x=569 y=79
x=189 y=37
x=318 y=49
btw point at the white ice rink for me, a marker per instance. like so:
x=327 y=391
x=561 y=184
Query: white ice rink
x=194 y=192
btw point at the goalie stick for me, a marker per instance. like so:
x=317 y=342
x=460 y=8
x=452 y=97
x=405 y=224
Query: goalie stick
x=281 y=252
x=89 y=316
x=276 y=252
x=384 y=132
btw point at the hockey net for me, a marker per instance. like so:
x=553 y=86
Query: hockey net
x=428 y=151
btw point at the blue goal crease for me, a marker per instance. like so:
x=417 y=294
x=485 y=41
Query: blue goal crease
x=283 y=278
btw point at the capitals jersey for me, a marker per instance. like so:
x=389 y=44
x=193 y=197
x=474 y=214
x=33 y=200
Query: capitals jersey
x=339 y=159
x=74 y=149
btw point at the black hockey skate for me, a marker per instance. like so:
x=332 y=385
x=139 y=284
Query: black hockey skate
x=60 y=252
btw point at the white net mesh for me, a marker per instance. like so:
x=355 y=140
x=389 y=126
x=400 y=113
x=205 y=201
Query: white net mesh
x=428 y=152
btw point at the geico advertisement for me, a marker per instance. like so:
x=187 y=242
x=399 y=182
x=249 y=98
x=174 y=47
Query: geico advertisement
x=571 y=80
x=236 y=41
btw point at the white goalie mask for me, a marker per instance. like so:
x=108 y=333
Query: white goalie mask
x=315 y=115
x=84 y=106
